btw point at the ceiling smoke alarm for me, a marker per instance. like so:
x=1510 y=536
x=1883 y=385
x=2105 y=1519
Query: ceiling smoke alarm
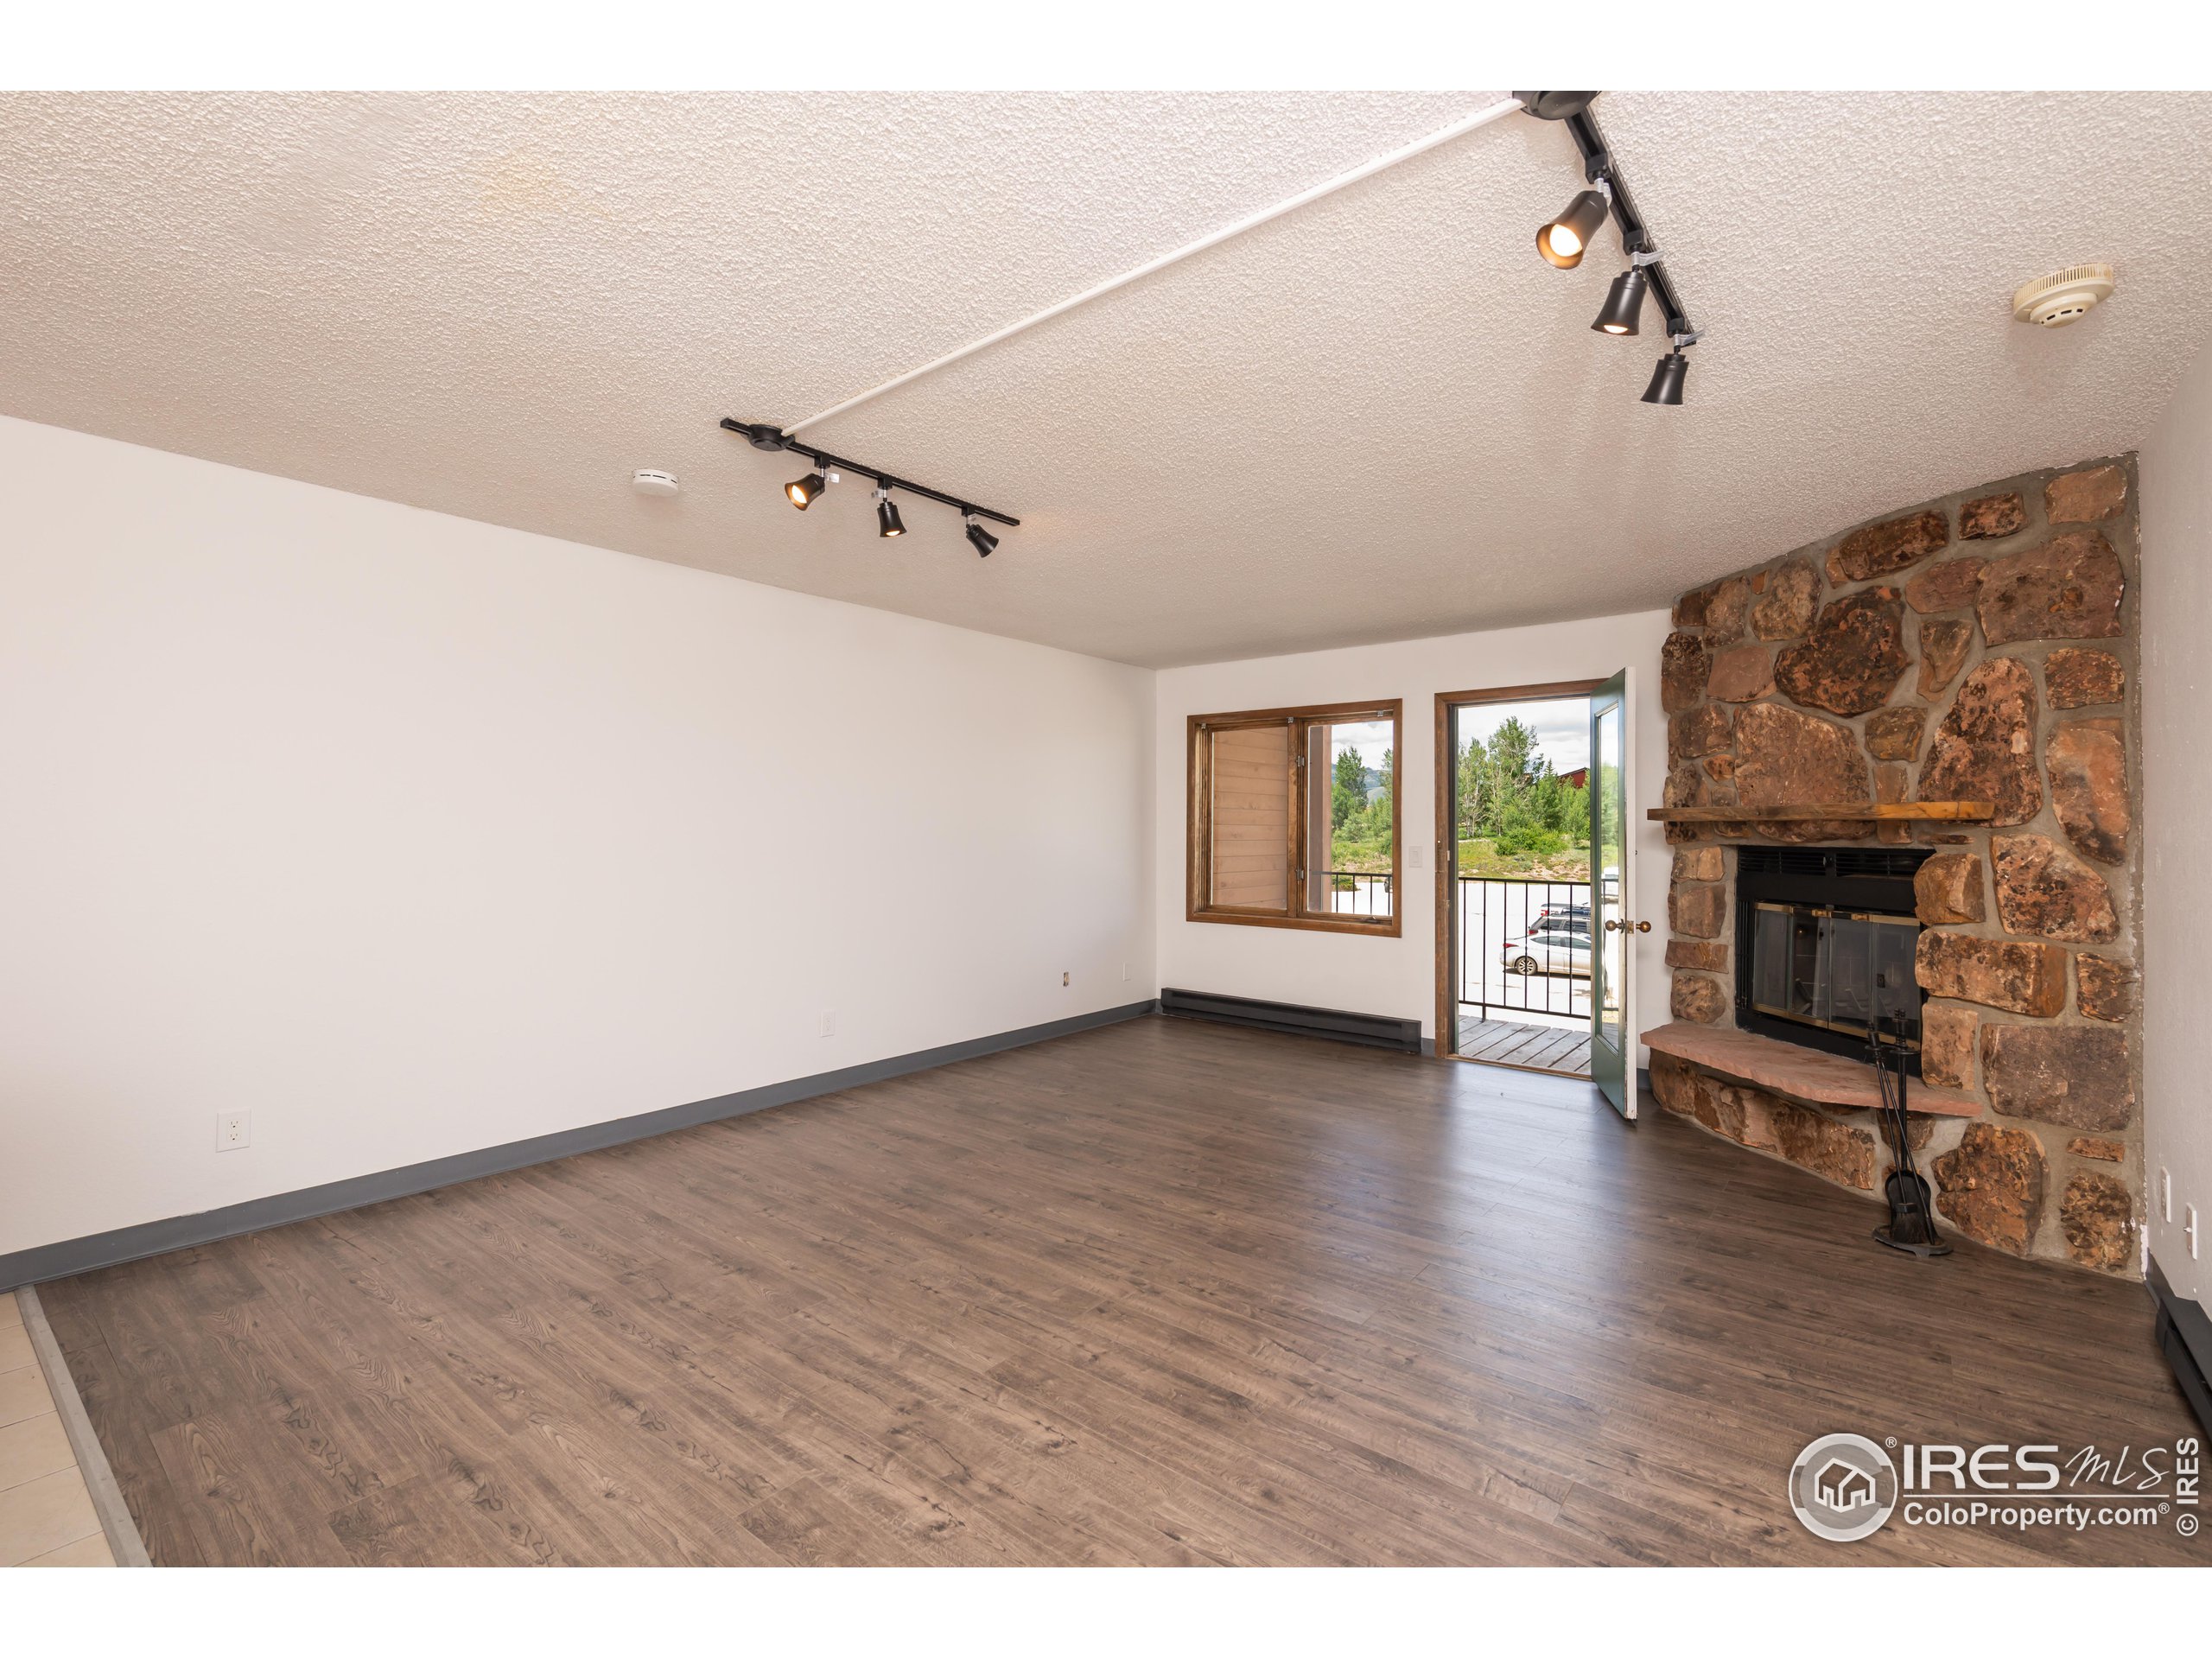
x=651 y=480
x=2063 y=297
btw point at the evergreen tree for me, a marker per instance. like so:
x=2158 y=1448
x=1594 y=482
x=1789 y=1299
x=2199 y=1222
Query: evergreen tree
x=1347 y=790
x=1470 y=766
x=1513 y=752
x=1510 y=793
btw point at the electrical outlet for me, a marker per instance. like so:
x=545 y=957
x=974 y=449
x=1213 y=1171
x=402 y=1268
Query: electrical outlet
x=1125 y=970
x=1064 y=977
x=233 y=1131
x=829 y=1022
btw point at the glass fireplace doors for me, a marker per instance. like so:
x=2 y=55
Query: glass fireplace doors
x=1835 y=970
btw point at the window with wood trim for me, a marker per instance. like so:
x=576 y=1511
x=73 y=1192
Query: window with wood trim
x=1293 y=817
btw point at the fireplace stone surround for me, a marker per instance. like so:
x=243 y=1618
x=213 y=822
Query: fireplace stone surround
x=1980 y=646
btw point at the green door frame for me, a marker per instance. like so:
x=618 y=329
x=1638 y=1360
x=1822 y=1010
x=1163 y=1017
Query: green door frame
x=1611 y=945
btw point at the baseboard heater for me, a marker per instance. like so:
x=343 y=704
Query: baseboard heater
x=1371 y=1030
x=2185 y=1337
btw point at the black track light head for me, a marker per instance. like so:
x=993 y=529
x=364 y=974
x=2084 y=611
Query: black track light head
x=1554 y=106
x=1666 y=385
x=981 y=539
x=1623 y=304
x=1564 y=241
x=829 y=470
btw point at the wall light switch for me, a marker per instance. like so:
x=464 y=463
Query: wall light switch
x=2165 y=1195
x=2189 y=1230
x=1417 y=858
x=233 y=1131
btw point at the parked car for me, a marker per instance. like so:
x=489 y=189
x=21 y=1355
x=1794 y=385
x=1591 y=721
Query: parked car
x=1549 y=950
x=1575 y=918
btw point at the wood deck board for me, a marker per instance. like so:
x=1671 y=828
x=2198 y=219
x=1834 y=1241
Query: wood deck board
x=1508 y=1042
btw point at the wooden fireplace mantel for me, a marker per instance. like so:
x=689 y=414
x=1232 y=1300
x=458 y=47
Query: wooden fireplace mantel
x=1850 y=812
x=1801 y=1073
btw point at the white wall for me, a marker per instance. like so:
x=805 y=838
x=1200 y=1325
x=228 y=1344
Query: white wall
x=2175 y=469
x=410 y=835
x=1397 y=977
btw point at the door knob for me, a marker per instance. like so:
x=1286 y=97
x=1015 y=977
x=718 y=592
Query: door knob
x=1643 y=927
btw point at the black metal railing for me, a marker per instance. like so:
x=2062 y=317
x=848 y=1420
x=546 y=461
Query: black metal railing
x=1357 y=893
x=1526 y=947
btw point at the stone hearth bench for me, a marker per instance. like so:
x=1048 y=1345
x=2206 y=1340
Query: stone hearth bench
x=1803 y=1074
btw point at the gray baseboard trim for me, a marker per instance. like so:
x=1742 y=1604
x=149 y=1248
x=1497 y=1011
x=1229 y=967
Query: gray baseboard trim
x=1643 y=1079
x=75 y=1256
x=2185 y=1336
x=122 y=1539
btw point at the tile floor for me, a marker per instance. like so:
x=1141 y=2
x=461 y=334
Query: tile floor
x=47 y=1517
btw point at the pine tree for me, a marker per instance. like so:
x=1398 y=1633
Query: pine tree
x=1347 y=790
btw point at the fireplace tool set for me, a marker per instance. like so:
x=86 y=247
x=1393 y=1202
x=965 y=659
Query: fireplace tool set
x=1911 y=1226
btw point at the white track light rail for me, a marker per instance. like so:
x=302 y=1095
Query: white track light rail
x=1465 y=123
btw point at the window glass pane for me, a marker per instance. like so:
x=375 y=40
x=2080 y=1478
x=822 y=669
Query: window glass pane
x=1350 y=764
x=1608 y=802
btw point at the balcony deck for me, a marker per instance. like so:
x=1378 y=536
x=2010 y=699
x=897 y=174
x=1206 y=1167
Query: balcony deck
x=1564 y=1049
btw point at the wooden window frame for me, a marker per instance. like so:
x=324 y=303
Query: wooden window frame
x=1198 y=823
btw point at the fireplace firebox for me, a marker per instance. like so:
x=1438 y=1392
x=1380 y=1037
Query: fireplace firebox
x=1825 y=939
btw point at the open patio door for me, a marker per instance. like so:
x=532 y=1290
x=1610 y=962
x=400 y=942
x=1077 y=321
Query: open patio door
x=1610 y=958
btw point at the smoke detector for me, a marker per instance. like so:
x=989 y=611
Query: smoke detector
x=2063 y=297
x=651 y=480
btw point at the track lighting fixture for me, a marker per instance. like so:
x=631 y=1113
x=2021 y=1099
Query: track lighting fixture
x=1666 y=385
x=1564 y=240
x=886 y=513
x=1623 y=304
x=803 y=492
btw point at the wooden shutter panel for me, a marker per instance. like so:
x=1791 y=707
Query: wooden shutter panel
x=1250 y=854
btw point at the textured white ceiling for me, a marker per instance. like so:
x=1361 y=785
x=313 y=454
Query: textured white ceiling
x=1381 y=417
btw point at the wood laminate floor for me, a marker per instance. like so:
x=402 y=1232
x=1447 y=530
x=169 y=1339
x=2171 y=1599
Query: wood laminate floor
x=1160 y=1292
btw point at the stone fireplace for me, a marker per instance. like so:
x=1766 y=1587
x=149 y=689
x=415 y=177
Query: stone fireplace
x=1979 y=648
